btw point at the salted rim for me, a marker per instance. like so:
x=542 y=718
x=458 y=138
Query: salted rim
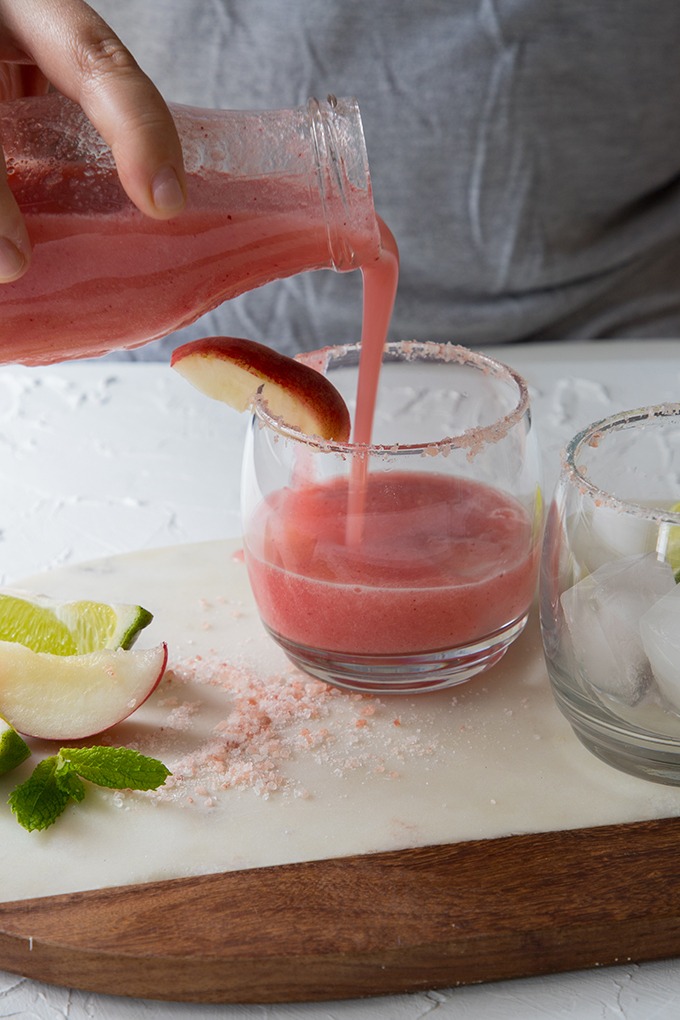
x=591 y=435
x=472 y=439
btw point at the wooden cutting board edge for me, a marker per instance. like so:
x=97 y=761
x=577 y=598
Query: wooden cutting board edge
x=386 y=923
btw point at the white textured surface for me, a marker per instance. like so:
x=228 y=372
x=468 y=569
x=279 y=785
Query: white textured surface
x=154 y=464
x=98 y=458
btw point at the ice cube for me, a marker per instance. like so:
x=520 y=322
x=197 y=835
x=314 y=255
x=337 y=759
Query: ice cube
x=660 y=632
x=605 y=533
x=603 y=613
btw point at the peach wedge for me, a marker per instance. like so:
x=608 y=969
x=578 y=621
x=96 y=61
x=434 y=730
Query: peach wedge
x=68 y=697
x=234 y=371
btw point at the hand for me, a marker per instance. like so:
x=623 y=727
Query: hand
x=64 y=43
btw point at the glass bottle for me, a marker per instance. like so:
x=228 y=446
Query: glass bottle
x=270 y=194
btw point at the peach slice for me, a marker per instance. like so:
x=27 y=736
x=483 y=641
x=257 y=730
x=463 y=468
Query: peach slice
x=67 y=697
x=235 y=370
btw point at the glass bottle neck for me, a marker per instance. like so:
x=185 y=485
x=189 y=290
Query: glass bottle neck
x=319 y=146
x=344 y=182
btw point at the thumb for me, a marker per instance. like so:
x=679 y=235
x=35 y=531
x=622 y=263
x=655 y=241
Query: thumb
x=15 y=247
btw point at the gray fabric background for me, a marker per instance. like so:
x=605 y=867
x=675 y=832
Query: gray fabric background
x=525 y=153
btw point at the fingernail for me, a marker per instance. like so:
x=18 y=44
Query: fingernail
x=12 y=261
x=167 y=193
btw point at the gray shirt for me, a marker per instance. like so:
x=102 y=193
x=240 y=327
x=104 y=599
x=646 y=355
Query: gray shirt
x=525 y=153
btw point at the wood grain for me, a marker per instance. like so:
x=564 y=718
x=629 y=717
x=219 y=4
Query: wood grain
x=367 y=925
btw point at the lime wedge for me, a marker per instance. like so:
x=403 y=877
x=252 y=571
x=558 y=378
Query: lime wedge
x=13 y=750
x=68 y=628
x=673 y=545
x=537 y=523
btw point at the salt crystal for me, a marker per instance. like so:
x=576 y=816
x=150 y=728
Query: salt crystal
x=268 y=721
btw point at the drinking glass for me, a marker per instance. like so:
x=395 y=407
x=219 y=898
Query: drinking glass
x=610 y=605
x=409 y=564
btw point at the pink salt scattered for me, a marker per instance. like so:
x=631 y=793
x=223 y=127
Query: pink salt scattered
x=268 y=722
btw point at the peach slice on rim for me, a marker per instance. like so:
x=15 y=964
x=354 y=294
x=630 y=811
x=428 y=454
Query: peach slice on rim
x=234 y=370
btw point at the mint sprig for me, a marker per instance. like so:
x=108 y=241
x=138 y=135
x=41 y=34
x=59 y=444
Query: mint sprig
x=57 y=780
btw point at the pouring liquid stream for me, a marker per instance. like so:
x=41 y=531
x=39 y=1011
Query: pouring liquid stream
x=380 y=287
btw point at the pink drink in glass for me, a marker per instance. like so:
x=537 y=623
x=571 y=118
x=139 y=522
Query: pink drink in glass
x=409 y=565
x=442 y=562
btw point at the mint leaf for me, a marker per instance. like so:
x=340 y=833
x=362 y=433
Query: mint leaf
x=56 y=780
x=38 y=802
x=118 y=768
x=68 y=780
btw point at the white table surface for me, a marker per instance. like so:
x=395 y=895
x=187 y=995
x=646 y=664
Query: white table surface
x=101 y=458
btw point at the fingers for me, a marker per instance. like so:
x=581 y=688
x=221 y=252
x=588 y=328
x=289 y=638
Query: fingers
x=84 y=59
x=15 y=247
x=131 y=116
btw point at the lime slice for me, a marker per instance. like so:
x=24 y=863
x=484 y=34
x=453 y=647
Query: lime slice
x=673 y=544
x=68 y=628
x=537 y=523
x=13 y=750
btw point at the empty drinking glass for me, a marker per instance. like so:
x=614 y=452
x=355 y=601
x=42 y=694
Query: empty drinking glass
x=610 y=604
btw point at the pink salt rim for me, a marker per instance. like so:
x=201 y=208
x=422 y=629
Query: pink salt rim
x=591 y=436
x=472 y=439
